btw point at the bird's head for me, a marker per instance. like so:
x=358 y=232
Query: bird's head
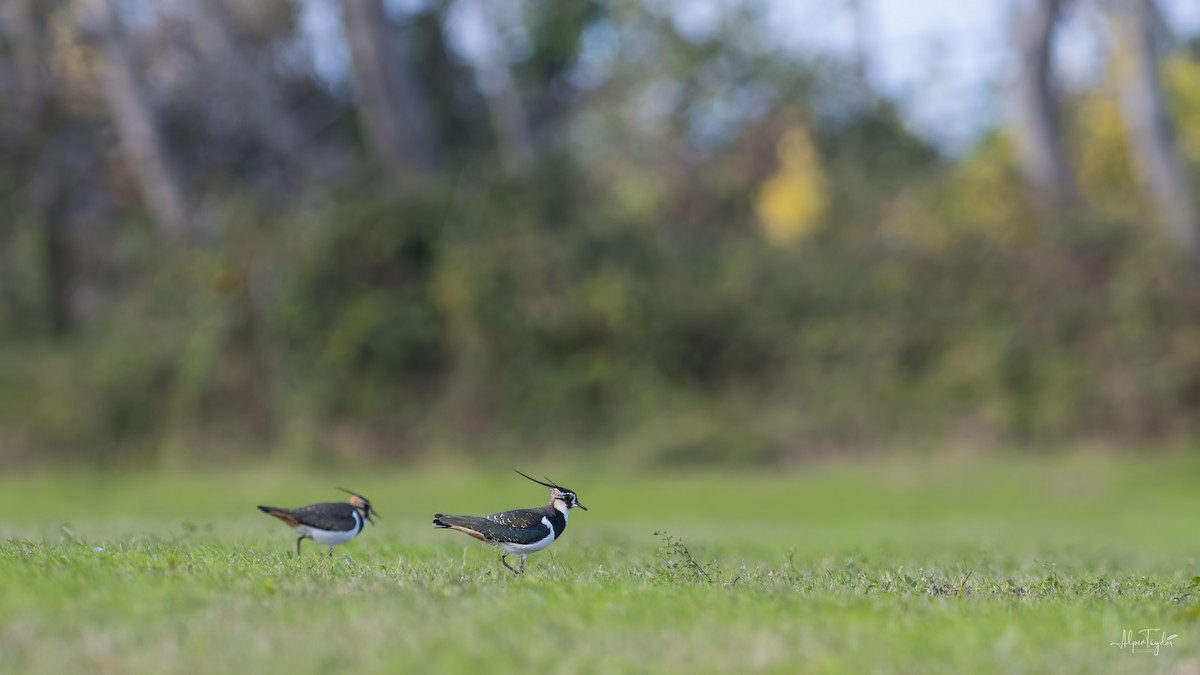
x=362 y=504
x=561 y=498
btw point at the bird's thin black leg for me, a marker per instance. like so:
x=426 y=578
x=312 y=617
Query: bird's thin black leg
x=510 y=567
x=522 y=564
x=298 y=540
x=330 y=552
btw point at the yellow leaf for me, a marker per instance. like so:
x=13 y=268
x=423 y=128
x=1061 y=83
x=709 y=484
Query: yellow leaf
x=791 y=202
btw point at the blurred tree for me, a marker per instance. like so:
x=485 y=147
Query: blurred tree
x=147 y=155
x=1037 y=119
x=1137 y=62
x=859 y=14
x=496 y=82
x=1182 y=72
x=1107 y=176
x=391 y=104
x=243 y=84
x=556 y=31
x=624 y=276
x=27 y=126
x=53 y=178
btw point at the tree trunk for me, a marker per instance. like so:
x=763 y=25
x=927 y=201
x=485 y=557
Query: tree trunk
x=254 y=93
x=59 y=271
x=862 y=46
x=1037 y=124
x=140 y=137
x=35 y=99
x=507 y=111
x=1148 y=125
x=390 y=105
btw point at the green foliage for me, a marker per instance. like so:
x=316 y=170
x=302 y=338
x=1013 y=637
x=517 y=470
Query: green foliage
x=621 y=297
x=355 y=308
x=678 y=563
x=387 y=327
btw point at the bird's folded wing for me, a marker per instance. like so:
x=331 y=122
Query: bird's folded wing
x=511 y=526
x=519 y=525
x=327 y=516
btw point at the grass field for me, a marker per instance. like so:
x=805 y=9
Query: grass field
x=950 y=565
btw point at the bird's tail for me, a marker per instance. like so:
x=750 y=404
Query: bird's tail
x=472 y=525
x=474 y=522
x=279 y=513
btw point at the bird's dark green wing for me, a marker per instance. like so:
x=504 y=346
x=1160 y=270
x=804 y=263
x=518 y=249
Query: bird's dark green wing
x=517 y=527
x=326 y=516
x=521 y=519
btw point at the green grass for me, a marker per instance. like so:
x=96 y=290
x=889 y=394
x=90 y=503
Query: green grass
x=949 y=565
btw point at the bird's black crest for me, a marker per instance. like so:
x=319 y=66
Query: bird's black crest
x=551 y=484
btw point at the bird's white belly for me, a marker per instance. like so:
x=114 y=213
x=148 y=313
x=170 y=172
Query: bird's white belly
x=328 y=537
x=510 y=547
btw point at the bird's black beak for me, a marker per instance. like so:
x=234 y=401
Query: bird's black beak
x=580 y=505
x=371 y=515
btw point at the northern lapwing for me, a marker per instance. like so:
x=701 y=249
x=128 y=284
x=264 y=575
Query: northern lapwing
x=521 y=531
x=328 y=523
